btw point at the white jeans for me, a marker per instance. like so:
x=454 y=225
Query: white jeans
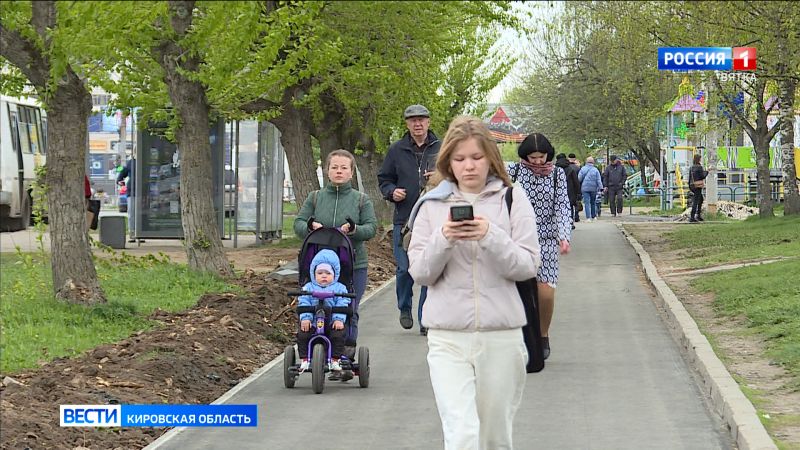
x=478 y=379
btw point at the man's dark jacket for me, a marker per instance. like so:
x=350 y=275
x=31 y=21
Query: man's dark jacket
x=573 y=185
x=615 y=176
x=402 y=169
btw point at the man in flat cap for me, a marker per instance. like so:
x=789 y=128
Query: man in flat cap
x=405 y=170
x=614 y=178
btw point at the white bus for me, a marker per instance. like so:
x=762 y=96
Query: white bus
x=23 y=147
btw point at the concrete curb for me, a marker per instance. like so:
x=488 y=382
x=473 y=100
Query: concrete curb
x=166 y=437
x=726 y=398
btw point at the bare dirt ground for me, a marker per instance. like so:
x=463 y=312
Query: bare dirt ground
x=192 y=357
x=742 y=352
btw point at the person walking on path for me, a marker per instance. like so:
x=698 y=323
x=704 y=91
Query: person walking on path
x=335 y=206
x=129 y=172
x=573 y=161
x=614 y=178
x=476 y=352
x=408 y=164
x=573 y=185
x=591 y=183
x=546 y=186
x=697 y=181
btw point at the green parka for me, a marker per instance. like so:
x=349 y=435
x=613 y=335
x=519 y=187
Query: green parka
x=331 y=206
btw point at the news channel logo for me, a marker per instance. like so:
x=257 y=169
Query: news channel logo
x=707 y=58
x=158 y=415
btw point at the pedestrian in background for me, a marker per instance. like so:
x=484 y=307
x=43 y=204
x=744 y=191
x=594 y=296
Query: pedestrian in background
x=614 y=178
x=573 y=185
x=591 y=184
x=476 y=351
x=545 y=184
x=408 y=164
x=697 y=181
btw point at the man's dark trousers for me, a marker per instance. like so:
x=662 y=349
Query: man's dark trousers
x=615 y=200
x=405 y=284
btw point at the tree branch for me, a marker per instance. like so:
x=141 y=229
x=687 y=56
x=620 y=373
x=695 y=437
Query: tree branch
x=43 y=16
x=25 y=56
x=739 y=117
x=258 y=105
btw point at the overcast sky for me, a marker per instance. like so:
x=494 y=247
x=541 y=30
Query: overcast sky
x=520 y=44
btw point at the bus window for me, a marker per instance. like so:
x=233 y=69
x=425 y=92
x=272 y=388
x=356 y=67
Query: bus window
x=44 y=135
x=12 y=115
x=29 y=130
x=23 y=126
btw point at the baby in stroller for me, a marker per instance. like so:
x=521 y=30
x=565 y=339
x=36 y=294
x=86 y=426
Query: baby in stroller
x=324 y=272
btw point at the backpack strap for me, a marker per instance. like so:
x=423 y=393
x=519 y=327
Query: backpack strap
x=509 y=199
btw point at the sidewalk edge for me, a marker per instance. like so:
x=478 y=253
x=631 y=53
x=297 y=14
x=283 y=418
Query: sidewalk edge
x=166 y=437
x=726 y=397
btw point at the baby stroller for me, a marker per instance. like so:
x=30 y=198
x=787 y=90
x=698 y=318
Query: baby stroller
x=319 y=346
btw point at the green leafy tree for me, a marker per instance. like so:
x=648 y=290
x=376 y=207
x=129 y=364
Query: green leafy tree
x=772 y=28
x=576 y=93
x=382 y=63
x=34 y=39
x=184 y=62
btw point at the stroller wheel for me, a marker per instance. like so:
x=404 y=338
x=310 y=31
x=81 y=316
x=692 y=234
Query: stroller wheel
x=318 y=360
x=363 y=367
x=288 y=363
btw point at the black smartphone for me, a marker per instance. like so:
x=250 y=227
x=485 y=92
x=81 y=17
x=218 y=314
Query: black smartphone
x=461 y=213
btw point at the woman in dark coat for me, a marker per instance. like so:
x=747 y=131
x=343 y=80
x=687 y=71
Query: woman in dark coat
x=697 y=181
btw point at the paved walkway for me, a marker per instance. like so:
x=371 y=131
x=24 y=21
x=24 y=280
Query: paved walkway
x=615 y=379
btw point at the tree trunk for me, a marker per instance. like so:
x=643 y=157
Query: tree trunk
x=791 y=205
x=204 y=248
x=295 y=127
x=337 y=130
x=74 y=274
x=68 y=107
x=711 y=181
x=200 y=230
x=764 y=199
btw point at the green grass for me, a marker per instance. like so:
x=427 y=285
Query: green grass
x=768 y=297
x=650 y=200
x=36 y=327
x=289 y=208
x=752 y=239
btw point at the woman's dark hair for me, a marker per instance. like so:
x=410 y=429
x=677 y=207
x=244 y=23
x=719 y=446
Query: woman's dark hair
x=696 y=158
x=536 y=143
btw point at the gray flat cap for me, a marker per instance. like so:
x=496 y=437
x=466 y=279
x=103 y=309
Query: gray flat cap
x=416 y=111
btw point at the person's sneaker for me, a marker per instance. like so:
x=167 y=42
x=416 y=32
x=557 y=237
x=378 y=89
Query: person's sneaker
x=336 y=370
x=698 y=218
x=546 y=347
x=692 y=220
x=406 y=321
x=423 y=331
x=304 y=366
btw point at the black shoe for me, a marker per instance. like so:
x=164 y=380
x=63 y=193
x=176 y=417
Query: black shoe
x=692 y=220
x=406 y=321
x=423 y=331
x=546 y=347
x=347 y=375
x=699 y=219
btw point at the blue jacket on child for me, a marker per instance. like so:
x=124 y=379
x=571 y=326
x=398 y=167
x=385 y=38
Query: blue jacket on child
x=329 y=257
